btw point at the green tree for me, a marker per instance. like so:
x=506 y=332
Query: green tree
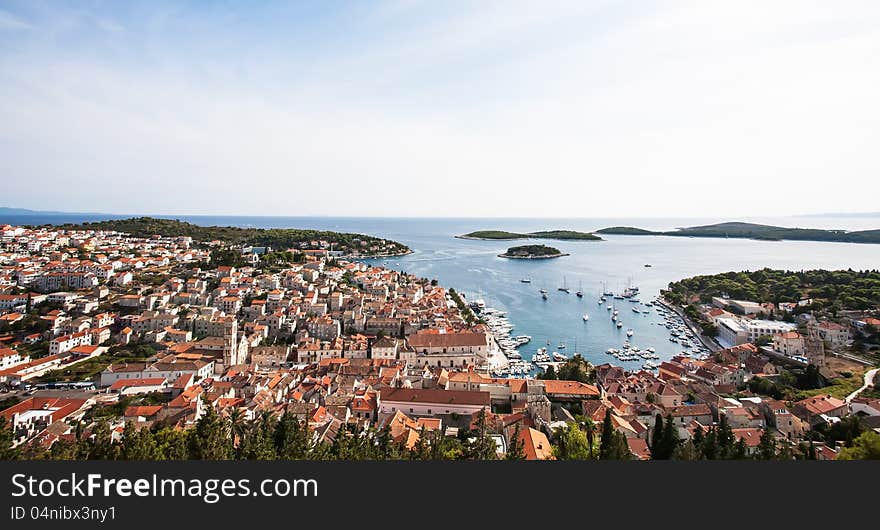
x=211 y=440
x=291 y=438
x=172 y=444
x=7 y=451
x=101 y=446
x=865 y=447
x=258 y=439
x=549 y=373
x=767 y=446
x=572 y=444
x=481 y=446
x=515 y=448
x=657 y=439
x=137 y=444
x=613 y=445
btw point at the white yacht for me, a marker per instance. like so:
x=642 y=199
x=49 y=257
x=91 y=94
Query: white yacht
x=629 y=332
x=564 y=287
x=586 y=317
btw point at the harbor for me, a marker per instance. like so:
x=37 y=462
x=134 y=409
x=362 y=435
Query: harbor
x=517 y=355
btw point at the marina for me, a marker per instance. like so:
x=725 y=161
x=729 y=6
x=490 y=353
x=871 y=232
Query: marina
x=522 y=362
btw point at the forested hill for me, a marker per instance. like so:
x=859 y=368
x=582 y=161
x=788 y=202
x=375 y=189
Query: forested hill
x=841 y=289
x=755 y=231
x=277 y=238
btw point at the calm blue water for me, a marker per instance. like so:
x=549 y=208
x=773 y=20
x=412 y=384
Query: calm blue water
x=473 y=267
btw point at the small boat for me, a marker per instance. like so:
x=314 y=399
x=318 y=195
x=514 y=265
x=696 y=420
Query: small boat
x=526 y=280
x=544 y=296
x=586 y=317
x=562 y=346
x=559 y=357
x=543 y=291
x=564 y=287
x=647 y=265
x=619 y=324
x=629 y=332
x=608 y=307
x=580 y=291
x=636 y=310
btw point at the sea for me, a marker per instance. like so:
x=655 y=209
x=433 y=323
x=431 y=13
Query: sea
x=474 y=268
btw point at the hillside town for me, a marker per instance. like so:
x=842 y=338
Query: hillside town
x=104 y=334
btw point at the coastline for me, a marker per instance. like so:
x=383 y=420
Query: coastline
x=472 y=238
x=546 y=256
x=528 y=238
x=378 y=256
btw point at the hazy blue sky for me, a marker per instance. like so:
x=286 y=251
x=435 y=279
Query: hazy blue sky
x=407 y=107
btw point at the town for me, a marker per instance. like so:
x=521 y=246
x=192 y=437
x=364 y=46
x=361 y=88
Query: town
x=114 y=345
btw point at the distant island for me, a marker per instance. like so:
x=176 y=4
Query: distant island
x=277 y=238
x=532 y=252
x=754 y=231
x=562 y=235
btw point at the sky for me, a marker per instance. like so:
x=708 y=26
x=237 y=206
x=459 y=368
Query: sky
x=584 y=108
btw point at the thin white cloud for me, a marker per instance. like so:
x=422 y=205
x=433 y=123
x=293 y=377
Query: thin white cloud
x=9 y=21
x=110 y=26
x=694 y=109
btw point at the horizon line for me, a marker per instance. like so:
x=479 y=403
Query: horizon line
x=29 y=212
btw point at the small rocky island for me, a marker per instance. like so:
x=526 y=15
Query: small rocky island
x=532 y=252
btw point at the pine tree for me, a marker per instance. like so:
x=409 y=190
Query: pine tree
x=725 y=438
x=63 y=450
x=101 y=446
x=515 y=446
x=687 y=451
x=549 y=373
x=606 y=444
x=385 y=447
x=257 y=438
x=709 y=447
x=137 y=444
x=697 y=441
x=421 y=450
x=670 y=439
x=657 y=438
x=172 y=444
x=482 y=446
x=211 y=438
x=740 y=451
x=291 y=438
x=767 y=446
x=7 y=451
x=622 y=451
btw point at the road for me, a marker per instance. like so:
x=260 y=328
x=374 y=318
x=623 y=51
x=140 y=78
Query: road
x=869 y=380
